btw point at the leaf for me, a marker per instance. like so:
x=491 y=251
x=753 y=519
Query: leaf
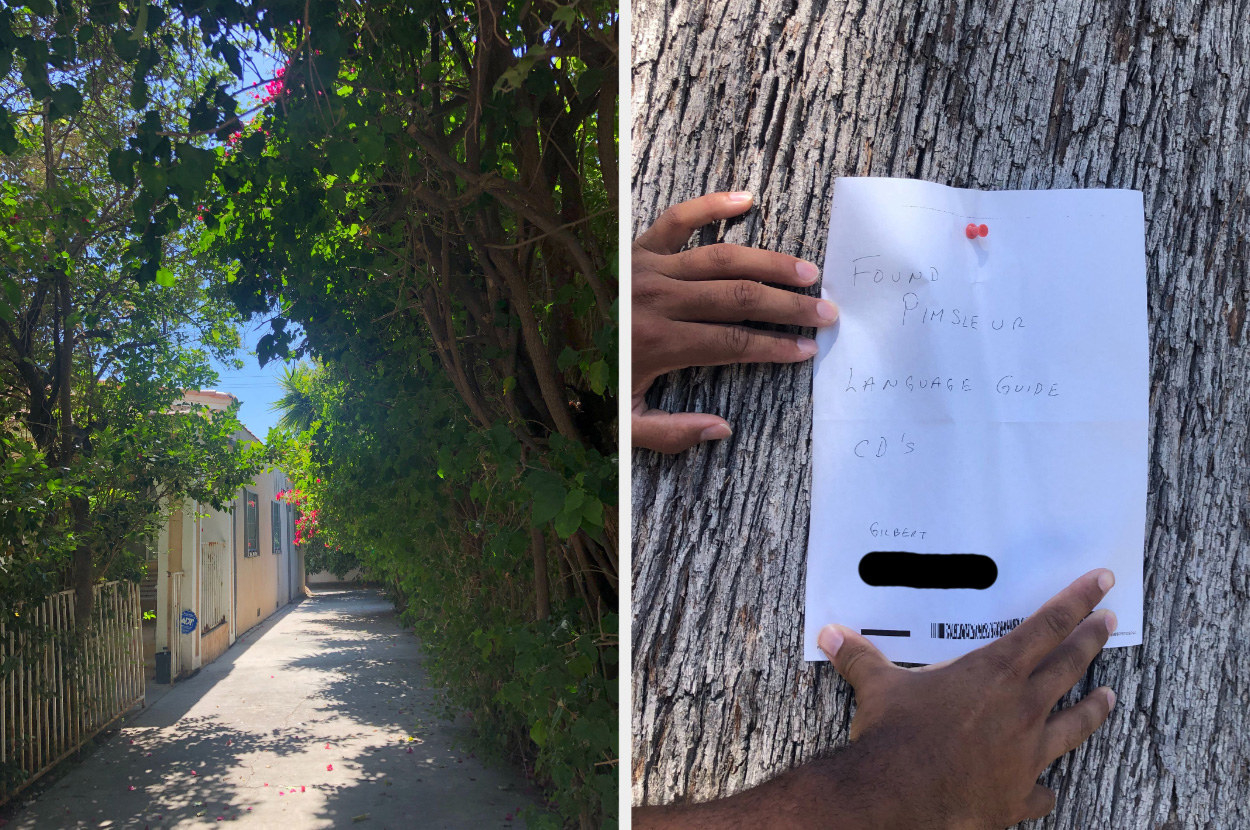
x=66 y=101
x=8 y=137
x=125 y=45
x=122 y=165
x=538 y=733
x=139 y=93
x=592 y=512
x=570 y=518
x=581 y=666
x=597 y=376
x=195 y=167
x=165 y=277
x=567 y=358
x=548 y=493
x=12 y=291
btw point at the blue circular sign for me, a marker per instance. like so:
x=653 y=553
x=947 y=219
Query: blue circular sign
x=188 y=622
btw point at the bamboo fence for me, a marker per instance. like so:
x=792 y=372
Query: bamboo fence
x=55 y=694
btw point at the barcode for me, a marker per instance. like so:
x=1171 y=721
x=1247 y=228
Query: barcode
x=972 y=631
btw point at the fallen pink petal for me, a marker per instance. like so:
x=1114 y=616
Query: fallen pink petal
x=329 y=767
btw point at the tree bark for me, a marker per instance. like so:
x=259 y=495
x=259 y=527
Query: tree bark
x=779 y=99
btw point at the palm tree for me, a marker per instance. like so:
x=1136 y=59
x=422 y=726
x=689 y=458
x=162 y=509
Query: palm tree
x=299 y=410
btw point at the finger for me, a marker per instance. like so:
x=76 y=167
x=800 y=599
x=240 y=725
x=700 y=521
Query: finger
x=734 y=301
x=1039 y=802
x=856 y=659
x=672 y=230
x=715 y=345
x=1068 y=729
x=668 y=432
x=1040 y=634
x=1066 y=664
x=724 y=261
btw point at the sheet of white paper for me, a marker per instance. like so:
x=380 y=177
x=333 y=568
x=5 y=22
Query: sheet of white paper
x=984 y=397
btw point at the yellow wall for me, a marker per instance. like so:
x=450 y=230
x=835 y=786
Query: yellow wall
x=214 y=643
x=257 y=577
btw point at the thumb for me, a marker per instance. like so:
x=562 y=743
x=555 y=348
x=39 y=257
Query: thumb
x=669 y=433
x=856 y=659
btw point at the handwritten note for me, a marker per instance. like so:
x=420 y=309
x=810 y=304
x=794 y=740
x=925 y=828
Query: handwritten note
x=980 y=412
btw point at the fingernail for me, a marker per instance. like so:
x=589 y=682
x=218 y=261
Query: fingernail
x=829 y=641
x=1105 y=580
x=715 y=433
x=1111 y=699
x=807 y=272
x=826 y=311
x=1111 y=621
x=806 y=346
x=739 y=196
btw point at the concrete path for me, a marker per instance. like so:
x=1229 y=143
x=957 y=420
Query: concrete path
x=320 y=717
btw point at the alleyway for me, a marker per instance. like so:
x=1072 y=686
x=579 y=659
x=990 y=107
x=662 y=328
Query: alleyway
x=305 y=723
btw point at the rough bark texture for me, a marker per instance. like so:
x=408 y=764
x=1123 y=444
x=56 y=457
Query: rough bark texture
x=1032 y=94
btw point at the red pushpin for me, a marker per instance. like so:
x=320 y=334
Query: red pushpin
x=973 y=231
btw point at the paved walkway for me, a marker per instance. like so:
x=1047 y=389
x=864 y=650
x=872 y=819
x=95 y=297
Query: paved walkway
x=320 y=717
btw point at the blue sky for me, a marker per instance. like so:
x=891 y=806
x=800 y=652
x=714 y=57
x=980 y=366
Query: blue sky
x=255 y=387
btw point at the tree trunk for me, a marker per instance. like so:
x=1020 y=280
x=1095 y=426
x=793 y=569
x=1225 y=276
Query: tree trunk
x=779 y=99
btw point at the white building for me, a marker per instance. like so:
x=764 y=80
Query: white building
x=216 y=573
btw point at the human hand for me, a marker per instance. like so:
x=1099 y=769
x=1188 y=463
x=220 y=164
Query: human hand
x=686 y=302
x=958 y=744
x=962 y=743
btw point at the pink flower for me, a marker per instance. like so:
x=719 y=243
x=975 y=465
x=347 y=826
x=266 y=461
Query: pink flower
x=329 y=767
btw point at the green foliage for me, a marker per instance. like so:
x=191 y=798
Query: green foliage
x=319 y=557
x=93 y=356
x=429 y=196
x=439 y=512
x=164 y=68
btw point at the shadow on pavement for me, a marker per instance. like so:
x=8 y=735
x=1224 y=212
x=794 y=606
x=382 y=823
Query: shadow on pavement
x=320 y=719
